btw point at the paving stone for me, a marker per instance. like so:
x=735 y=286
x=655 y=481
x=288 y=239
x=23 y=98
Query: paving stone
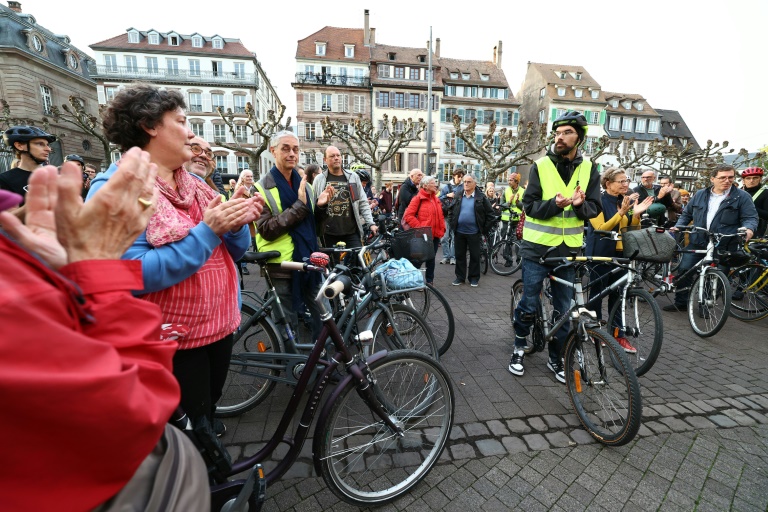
x=558 y=439
x=739 y=417
x=644 y=431
x=699 y=422
x=664 y=410
x=536 y=441
x=462 y=451
x=691 y=408
x=735 y=403
x=514 y=444
x=704 y=406
x=761 y=418
x=554 y=421
x=678 y=408
x=476 y=429
x=518 y=426
x=717 y=403
x=736 y=388
x=759 y=399
x=571 y=420
x=675 y=424
x=650 y=411
x=723 y=421
x=538 y=424
x=497 y=428
x=746 y=401
x=658 y=428
x=490 y=447
x=457 y=433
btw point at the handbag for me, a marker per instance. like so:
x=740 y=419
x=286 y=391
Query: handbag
x=650 y=244
x=400 y=274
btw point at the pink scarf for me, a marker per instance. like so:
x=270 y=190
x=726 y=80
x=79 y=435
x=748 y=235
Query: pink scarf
x=171 y=221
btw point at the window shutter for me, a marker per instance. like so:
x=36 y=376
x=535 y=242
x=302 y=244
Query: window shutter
x=436 y=102
x=391 y=99
x=319 y=129
x=459 y=145
x=516 y=118
x=479 y=138
x=602 y=117
x=498 y=117
x=442 y=115
x=301 y=129
x=378 y=103
x=586 y=114
x=248 y=99
x=207 y=102
x=422 y=101
x=553 y=116
x=208 y=131
x=101 y=94
x=461 y=114
x=480 y=117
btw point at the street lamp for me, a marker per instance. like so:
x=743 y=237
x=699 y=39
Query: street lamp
x=432 y=161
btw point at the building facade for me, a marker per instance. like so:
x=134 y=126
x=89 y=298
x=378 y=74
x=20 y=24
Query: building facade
x=40 y=69
x=210 y=71
x=676 y=132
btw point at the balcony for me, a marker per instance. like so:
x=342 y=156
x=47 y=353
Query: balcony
x=172 y=75
x=326 y=79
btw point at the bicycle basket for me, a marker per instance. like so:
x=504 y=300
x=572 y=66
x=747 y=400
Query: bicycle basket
x=399 y=275
x=415 y=245
x=650 y=244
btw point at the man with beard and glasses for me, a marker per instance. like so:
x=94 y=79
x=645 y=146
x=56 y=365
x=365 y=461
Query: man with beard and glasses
x=556 y=205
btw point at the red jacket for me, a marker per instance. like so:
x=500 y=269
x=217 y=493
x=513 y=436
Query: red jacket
x=86 y=388
x=425 y=210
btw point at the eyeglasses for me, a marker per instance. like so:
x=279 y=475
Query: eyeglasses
x=731 y=178
x=564 y=133
x=198 y=150
x=623 y=182
x=648 y=177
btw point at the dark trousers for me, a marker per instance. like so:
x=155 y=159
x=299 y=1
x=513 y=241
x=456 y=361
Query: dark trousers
x=431 y=263
x=463 y=243
x=352 y=240
x=201 y=373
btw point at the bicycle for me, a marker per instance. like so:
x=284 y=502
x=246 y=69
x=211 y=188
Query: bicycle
x=505 y=254
x=606 y=398
x=380 y=432
x=749 y=300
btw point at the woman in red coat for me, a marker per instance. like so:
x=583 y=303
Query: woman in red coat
x=426 y=210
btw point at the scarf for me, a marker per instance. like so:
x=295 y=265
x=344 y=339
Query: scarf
x=303 y=235
x=171 y=222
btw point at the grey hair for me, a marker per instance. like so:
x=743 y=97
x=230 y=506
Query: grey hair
x=655 y=174
x=469 y=175
x=609 y=174
x=426 y=180
x=275 y=140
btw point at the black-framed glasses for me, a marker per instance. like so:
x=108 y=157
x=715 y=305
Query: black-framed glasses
x=623 y=182
x=198 y=150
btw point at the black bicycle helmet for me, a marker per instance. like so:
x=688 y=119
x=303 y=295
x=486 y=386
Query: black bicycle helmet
x=75 y=158
x=364 y=175
x=575 y=119
x=734 y=258
x=25 y=134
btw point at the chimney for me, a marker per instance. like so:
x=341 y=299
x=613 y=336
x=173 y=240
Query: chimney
x=372 y=42
x=498 y=57
x=437 y=47
x=366 y=29
x=14 y=6
x=494 y=55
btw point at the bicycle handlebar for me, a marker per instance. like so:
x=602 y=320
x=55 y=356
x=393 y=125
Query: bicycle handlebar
x=333 y=289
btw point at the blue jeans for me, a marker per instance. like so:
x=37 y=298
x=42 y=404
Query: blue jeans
x=533 y=280
x=448 y=242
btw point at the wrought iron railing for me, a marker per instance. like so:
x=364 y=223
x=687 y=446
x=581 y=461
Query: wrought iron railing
x=172 y=75
x=327 y=79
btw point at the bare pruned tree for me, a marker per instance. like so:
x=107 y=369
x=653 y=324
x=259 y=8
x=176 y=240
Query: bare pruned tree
x=496 y=157
x=630 y=155
x=75 y=114
x=675 y=159
x=261 y=131
x=368 y=145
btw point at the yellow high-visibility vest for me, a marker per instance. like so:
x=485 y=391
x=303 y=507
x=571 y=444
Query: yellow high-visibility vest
x=508 y=193
x=284 y=243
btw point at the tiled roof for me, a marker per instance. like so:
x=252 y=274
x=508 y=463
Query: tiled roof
x=335 y=39
x=232 y=47
x=570 y=95
x=670 y=117
x=481 y=102
x=475 y=68
x=403 y=55
x=622 y=97
x=550 y=74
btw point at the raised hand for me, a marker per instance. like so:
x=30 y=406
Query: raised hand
x=643 y=206
x=578 y=196
x=561 y=201
x=303 y=190
x=325 y=195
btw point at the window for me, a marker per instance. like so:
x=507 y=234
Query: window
x=383 y=99
x=562 y=75
x=639 y=106
x=578 y=76
x=450 y=90
x=640 y=148
x=37 y=43
x=359 y=105
x=399 y=72
x=130 y=63
x=110 y=61
x=391 y=55
x=627 y=105
x=578 y=93
x=219 y=131
x=309 y=131
x=240 y=104
x=613 y=123
x=465 y=76
x=72 y=61
x=319 y=48
x=239 y=70
x=172 y=65
x=413 y=101
x=485 y=78
x=541 y=116
x=560 y=112
x=154 y=38
x=561 y=91
x=640 y=126
x=542 y=92
x=399 y=100
x=421 y=58
x=197 y=128
x=217 y=100
x=325 y=100
x=615 y=103
x=308 y=68
x=241 y=133
x=516 y=119
x=218 y=43
x=454 y=75
x=221 y=163
x=469 y=115
x=595 y=95
x=173 y=40
x=133 y=37
x=413 y=74
x=195 y=102
x=589 y=145
x=309 y=102
x=197 y=41
x=194 y=67
x=487 y=117
x=45 y=95
x=470 y=91
x=242 y=163
x=626 y=124
x=653 y=126
x=349 y=50
x=109 y=93
x=152 y=65
x=383 y=71
x=343 y=71
x=217 y=67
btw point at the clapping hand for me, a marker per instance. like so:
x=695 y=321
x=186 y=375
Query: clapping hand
x=578 y=196
x=561 y=201
x=325 y=195
x=642 y=207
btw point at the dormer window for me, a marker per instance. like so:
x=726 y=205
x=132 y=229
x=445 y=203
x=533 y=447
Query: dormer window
x=627 y=105
x=454 y=75
x=391 y=55
x=595 y=95
x=349 y=50
x=639 y=106
x=561 y=91
x=154 y=38
x=485 y=78
x=173 y=40
x=218 y=43
x=133 y=37
x=465 y=76
x=615 y=103
x=543 y=92
x=578 y=92
x=562 y=75
x=422 y=58
x=319 y=48
x=577 y=76
x=197 y=41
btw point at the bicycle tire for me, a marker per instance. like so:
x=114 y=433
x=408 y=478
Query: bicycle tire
x=434 y=308
x=484 y=261
x=517 y=293
x=409 y=324
x=246 y=385
x=606 y=399
x=643 y=326
x=752 y=304
x=708 y=316
x=505 y=257
x=361 y=461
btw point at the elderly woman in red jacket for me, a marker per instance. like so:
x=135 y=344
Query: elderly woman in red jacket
x=425 y=210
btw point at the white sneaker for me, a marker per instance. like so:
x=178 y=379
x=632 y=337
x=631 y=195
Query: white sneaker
x=516 y=363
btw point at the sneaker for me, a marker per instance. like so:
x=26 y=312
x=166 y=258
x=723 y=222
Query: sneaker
x=673 y=307
x=246 y=272
x=624 y=342
x=457 y=282
x=737 y=295
x=516 y=363
x=453 y=261
x=219 y=427
x=474 y=283
x=444 y=261
x=557 y=368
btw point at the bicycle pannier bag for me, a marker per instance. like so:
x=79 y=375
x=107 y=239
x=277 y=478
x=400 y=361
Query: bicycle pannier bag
x=415 y=245
x=651 y=244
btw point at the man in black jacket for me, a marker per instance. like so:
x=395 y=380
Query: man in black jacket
x=408 y=191
x=471 y=217
x=661 y=193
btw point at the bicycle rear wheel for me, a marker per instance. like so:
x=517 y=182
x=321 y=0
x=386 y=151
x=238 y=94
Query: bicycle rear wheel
x=505 y=257
x=709 y=303
x=433 y=307
x=748 y=304
x=248 y=382
x=642 y=325
x=484 y=260
x=606 y=399
x=406 y=330
x=361 y=460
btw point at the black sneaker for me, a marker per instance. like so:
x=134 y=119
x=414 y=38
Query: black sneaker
x=246 y=272
x=674 y=307
x=516 y=363
x=704 y=312
x=457 y=282
x=219 y=427
x=557 y=368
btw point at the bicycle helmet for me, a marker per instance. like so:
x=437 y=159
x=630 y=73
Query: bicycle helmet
x=734 y=258
x=25 y=134
x=575 y=119
x=75 y=158
x=364 y=175
x=656 y=210
x=752 y=171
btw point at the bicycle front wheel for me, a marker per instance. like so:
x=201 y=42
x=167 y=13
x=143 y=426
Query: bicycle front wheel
x=642 y=325
x=248 y=382
x=505 y=257
x=364 y=462
x=606 y=399
x=433 y=307
x=406 y=330
x=484 y=261
x=749 y=303
x=709 y=303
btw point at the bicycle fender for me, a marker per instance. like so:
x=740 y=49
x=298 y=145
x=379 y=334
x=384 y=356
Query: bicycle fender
x=326 y=410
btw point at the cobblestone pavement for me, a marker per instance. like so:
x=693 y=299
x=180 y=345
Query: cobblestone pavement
x=517 y=444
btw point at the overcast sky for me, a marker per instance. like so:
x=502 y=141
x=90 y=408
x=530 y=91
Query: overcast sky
x=707 y=62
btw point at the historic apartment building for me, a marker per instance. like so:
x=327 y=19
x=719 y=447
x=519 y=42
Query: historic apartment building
x=40 y=69
x=210 y=71
x=675 y=131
